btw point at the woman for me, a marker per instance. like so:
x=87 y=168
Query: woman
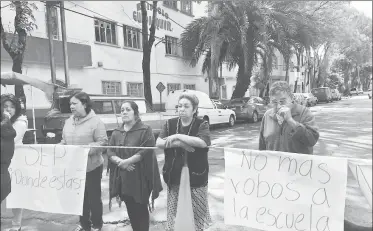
x=85 y=128
x=290 y=127
x=7 y=150
x=136 y=175
x=186 y=139
x=12 y=105
x=287 y=127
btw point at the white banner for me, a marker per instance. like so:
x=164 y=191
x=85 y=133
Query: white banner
x=362 y=171
x=284 y=191
x=48 y=178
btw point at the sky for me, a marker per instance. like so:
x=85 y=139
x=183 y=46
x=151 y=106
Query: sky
x=363 y=6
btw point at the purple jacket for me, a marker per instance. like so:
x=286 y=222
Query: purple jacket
x=283 y=138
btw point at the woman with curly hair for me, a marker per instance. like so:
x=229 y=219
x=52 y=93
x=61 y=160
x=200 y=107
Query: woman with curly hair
x=12 y=105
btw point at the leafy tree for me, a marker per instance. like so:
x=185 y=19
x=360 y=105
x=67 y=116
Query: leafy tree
x=15 y=45
x=243 y=30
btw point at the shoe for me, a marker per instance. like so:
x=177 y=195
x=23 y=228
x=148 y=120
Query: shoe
x=96 y=229
x=79 y=228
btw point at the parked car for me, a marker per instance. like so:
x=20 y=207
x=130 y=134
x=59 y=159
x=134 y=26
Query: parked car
x=300 y=98
x=208 y=109
x=354 y=91
x=323 y=94
x=336 y=95
x=248 y=108
x=311 y=99
x=108 y=109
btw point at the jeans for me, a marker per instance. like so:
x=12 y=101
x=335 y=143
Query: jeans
x=92 y=205
x=138 y=214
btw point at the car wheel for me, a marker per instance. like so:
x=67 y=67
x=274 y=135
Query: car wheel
x=231 y=121
x=255 y=117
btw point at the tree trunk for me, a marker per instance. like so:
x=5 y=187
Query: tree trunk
x=245 y=64
x=214 y=86
x=18 y=89
x=287 y=61
x=147 y=42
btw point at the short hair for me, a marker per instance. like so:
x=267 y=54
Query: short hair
x=15 y=101
x=134 y=107
x=280 y=86
x=192 y=98
x=85 y=100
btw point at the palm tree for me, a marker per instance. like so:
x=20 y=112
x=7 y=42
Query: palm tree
x=238 y=33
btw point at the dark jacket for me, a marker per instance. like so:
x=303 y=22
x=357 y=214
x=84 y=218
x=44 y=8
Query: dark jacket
x=7 y=151
x=174 y=159
x=283 y=138
x=7 y=143
x=145 y=179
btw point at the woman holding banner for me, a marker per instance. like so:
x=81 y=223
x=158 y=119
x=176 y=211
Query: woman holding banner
x=185 y=140
x=84 y=127
x=8 y=133
x=290 y=127
x=136 y=174
x=12 y=105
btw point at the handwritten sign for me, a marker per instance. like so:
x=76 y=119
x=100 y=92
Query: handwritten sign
x=362 y=171
x=284 y=191
x=48 y=178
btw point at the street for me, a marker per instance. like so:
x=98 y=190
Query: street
x=345 y=131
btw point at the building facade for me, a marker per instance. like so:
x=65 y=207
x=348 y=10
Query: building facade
x=105 y=50
x=105 y=47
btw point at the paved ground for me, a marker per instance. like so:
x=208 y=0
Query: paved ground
x=346 y=130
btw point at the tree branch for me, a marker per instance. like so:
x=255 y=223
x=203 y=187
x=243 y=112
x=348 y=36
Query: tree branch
x=152 y=27
x=5 y=42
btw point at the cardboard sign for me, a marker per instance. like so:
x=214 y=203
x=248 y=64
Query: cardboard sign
x=284 y=191
x=48 y=178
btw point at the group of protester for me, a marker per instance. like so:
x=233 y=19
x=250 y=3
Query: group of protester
x=134 y=177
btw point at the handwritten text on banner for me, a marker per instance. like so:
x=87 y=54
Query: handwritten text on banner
x=284 y=191
x=48 y=178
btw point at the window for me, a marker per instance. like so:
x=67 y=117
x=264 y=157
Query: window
x=173 y=87
x=55 y=28
x=274 y=62
x=132 y=37
x=105 y=32
x=111 y=88
x=171 y=46
x=224 y=92
x=103 y=107
x=186 y=7
x=170 y=4
x=135 y=89
x=190 y=86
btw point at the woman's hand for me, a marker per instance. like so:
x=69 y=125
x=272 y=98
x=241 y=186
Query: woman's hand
x=125 y=165
x=181 y=144
x=7 y=115
x=173 y=138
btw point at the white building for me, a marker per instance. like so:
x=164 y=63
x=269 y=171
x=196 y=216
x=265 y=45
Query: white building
x=105 y=49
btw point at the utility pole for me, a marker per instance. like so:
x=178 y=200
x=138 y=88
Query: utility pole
x=49 y=5
x=64 y=44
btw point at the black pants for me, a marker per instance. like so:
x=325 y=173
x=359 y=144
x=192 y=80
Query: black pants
x=92 y=206
x=138 y=214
